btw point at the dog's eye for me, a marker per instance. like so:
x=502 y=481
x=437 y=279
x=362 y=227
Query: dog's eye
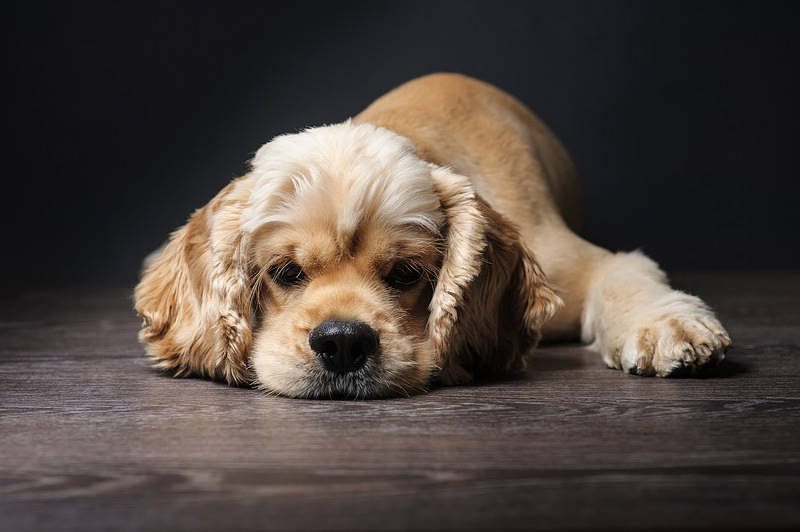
x=287 y=274
x=403 y=275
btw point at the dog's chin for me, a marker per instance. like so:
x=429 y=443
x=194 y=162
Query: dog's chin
x=281 y=364
x=373 y=381
x=359 y=384
x=328 y=385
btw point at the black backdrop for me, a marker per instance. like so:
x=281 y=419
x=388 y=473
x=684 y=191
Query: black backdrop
x=122 y=119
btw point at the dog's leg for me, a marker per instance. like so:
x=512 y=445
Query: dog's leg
x=643 y=326
x=623 y=304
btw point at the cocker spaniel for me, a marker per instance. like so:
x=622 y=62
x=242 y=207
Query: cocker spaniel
x=428 y=239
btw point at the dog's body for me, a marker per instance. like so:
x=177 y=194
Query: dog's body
x=481 y=204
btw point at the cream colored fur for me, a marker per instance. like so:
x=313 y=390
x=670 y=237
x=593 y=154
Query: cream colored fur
x=445 y=173
x=641 y=325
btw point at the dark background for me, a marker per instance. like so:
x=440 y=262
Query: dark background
x=122 y=119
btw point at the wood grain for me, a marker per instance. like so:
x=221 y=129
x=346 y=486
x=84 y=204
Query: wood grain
x=91 y=438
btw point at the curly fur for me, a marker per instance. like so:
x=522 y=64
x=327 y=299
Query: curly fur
x=445 y=173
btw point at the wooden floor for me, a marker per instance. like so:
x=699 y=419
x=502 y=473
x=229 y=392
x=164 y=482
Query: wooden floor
x=92 y=439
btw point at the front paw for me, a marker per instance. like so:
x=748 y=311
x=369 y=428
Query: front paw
x=674 y=344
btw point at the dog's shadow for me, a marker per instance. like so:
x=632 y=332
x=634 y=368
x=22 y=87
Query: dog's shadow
x=573 y=357
x=569 y=357
x=555 y=362
x=726 y=369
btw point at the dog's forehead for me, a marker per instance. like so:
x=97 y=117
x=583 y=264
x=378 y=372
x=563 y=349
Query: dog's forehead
x=341 y=177
x=316 y=246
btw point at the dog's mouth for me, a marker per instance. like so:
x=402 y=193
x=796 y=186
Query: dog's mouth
x=348 y=357
x=373 y=380
x=342 y=359
x=360 y=384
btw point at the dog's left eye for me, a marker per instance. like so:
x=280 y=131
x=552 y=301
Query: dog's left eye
x=403 y=275
x=287 y=274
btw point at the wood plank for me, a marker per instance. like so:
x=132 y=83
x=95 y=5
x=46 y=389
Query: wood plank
x=93 y=439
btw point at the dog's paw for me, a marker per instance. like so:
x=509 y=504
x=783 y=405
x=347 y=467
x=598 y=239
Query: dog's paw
x=674 y=344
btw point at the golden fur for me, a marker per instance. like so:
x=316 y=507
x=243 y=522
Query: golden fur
x=446 y=174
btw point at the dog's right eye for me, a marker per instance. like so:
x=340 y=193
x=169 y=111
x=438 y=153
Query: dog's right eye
x=287 y=274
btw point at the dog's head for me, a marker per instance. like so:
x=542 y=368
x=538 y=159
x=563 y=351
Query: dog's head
x=343 y=265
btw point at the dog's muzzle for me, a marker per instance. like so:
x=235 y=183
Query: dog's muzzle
x=343 y=346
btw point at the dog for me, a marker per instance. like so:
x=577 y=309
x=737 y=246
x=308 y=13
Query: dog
x=429 y=239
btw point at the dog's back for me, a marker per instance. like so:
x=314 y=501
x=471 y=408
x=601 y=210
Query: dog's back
x=515 y=162
x=621 y=302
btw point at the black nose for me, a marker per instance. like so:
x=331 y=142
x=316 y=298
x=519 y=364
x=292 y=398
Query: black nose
x=343 y=346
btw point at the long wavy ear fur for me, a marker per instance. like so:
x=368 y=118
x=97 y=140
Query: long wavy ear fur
x=194 y=295
x=491 y=297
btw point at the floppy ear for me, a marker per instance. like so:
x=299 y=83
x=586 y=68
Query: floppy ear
x=491 y=297
x=194 y=295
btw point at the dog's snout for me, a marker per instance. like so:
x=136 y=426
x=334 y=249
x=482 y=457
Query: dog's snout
x=343 y=346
